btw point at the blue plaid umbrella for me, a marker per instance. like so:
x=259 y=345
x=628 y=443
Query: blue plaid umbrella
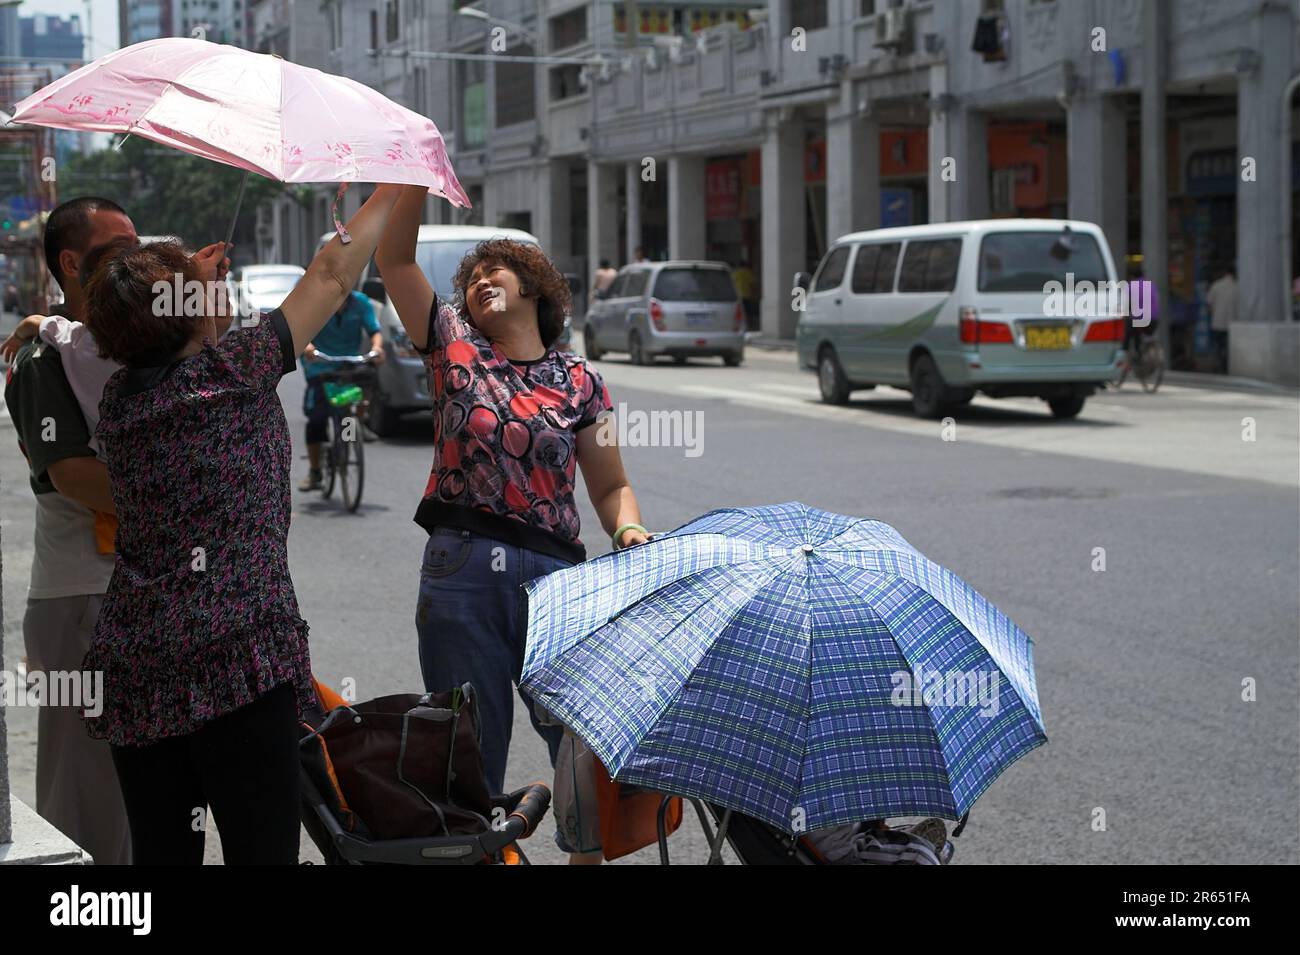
x=798 y=666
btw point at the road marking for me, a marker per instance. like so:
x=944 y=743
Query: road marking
x=1219 y=453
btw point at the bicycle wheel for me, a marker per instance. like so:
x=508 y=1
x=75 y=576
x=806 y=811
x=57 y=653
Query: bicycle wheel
x=352 y=470
x=1124 y=368
x=329 y=464
x=1151 y=367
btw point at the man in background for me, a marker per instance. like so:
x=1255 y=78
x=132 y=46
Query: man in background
x=76 y=784
x=1222 y=302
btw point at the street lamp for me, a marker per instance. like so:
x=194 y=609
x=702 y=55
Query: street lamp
x=477 y=14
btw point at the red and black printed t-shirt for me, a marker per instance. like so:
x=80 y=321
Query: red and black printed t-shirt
x=505 y=438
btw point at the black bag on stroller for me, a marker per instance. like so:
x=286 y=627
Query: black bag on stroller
x=399 y=779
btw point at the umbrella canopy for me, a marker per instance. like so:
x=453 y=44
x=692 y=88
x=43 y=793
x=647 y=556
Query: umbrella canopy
x=253 y=111
x=802 y=667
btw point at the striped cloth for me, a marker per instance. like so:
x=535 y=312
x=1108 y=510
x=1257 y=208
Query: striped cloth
x=802 y=667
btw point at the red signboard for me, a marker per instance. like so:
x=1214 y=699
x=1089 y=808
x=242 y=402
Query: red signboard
x=814 y=161
x=722 y=189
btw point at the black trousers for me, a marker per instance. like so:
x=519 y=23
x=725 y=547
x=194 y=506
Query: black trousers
x=244 y=765
x=317 y=409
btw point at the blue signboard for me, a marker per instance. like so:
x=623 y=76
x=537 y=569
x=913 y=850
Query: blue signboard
x=895 y=207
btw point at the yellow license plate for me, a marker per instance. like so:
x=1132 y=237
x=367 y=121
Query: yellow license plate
x=1057 y=338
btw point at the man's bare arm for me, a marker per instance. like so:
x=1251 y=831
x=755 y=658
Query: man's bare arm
x=84 y=480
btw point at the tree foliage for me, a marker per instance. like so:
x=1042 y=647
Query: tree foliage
x=167 y=192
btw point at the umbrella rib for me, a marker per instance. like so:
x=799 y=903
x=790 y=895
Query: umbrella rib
x=645 y=649
x=1022 y=690
x=930 y=723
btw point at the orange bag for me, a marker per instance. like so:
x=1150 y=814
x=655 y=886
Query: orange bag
x=105 y=532
x=628 y=815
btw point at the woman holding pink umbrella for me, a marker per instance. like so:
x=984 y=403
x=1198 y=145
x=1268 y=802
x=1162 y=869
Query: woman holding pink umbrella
x=514 y=419
x=203 y=651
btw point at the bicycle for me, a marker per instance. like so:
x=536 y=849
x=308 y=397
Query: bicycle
x=345 y=459
x=1143 y=356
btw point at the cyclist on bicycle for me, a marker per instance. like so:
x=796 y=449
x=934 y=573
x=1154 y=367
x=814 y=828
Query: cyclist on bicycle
x=1142 y=294
x=341 y=336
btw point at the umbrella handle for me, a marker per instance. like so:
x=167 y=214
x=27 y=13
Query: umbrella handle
x=239 y=200
x=339 y=227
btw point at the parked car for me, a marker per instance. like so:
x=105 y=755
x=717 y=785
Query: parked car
x=262 y=287
x=403 y=385
x=953 y=308
x=682 y=308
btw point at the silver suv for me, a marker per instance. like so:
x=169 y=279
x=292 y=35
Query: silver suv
x=680 y=308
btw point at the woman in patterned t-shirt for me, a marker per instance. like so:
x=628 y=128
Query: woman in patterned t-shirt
x=202 y=648
x=513 y=419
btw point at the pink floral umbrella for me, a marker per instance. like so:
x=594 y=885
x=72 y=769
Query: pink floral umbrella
x=254 y=111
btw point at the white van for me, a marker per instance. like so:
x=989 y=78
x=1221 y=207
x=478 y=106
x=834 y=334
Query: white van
x=949 y=309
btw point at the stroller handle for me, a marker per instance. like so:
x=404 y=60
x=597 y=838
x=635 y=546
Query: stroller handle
x=531 y=808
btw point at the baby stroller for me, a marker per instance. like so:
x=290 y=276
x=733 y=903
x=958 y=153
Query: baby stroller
x=865 y=843
x=399 y=781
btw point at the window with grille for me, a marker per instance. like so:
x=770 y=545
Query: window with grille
x=516 y=96
x=809 y=14
x=569 y=29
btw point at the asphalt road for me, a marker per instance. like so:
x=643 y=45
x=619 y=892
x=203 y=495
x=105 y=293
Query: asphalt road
x=1140 y=668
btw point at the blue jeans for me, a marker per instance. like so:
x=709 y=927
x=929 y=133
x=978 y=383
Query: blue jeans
x=471 y=617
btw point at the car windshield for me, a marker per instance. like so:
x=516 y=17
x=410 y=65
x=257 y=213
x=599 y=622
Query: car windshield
x=440 y=258
x=1027 y=261
x=694 y=285
x=268 y=283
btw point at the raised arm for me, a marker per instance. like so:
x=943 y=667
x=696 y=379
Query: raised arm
x=334 y=271
x=403 y=280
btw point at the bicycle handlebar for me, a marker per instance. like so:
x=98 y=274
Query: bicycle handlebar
x=365 y=359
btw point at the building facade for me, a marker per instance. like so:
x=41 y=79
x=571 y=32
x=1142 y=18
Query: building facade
x=759 y=132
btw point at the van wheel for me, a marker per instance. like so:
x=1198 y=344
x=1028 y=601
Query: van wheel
x=589 y=345
x=928 y=398
x=1066 y=407
x=733 y=359
x=830 y=378
x=636 y=350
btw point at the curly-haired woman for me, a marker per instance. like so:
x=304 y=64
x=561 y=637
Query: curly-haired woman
x=512 y=417
x=203 y=651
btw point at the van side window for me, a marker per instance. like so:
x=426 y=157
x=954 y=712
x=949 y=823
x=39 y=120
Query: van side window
x=864 y=269
x=930 y=266
x=941 y=272
x=832 y=271
x=636 y=282
x=616 y=287
x=912 y=278
x=886 y=267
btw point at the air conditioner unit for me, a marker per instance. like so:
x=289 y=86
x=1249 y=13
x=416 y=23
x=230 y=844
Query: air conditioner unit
x=891 y=29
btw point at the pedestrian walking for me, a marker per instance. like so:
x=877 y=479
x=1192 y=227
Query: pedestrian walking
x=1221 y=299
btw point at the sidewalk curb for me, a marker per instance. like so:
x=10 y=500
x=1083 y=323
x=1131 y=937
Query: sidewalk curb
x=1187 y=379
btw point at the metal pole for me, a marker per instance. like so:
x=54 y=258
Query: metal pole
x=1155 y=194
x=239 y=200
